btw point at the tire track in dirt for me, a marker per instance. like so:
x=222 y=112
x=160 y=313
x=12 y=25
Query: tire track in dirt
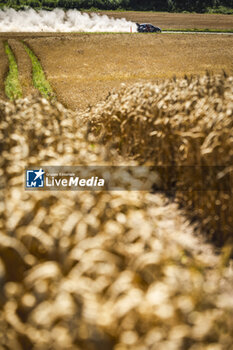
x=39 y=79
x=24 y=67
x=3 y=70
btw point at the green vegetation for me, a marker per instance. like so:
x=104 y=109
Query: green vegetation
x=211 y=6
x=221 y=9
x=13 y=88
x=38 y=76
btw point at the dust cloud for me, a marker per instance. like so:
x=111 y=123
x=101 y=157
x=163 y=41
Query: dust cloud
x=58 y=20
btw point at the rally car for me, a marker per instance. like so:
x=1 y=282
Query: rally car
x=147 y=28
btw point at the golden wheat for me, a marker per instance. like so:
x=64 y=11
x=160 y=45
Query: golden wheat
x=180 y=124
x=108 y=270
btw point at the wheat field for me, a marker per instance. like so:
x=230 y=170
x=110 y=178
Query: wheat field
x=119 y=270
x=89 y=66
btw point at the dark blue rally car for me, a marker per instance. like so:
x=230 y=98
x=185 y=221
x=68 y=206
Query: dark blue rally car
x=147 y=28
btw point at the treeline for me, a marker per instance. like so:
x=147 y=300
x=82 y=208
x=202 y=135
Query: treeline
x=145 y=5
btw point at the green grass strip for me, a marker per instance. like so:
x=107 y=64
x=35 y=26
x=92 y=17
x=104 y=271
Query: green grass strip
x=13 y=88
x=38 y=76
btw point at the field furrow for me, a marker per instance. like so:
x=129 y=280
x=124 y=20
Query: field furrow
x=13 y=89
x=38 y=76
x=3 y=69
x=24 y=67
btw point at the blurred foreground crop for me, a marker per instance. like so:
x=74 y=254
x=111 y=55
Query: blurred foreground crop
x=181 y=123
x=109 y=270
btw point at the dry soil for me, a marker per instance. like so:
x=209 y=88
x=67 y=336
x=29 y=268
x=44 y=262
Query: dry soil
x=178 y=20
